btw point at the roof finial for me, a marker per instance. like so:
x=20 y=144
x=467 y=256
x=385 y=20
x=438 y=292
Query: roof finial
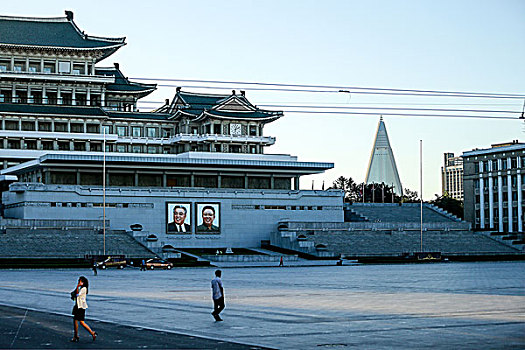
x=243 y=92
x=178 y=89
x=116 y=65
x=233 y=92
x=69 y=15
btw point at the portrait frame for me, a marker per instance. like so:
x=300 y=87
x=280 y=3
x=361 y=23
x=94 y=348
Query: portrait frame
x=200 y=227
x=170 y=222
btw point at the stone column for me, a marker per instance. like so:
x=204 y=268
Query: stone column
x=59 y=96
x=74 y=97
x=509 y=199
x=88 y=97
x=500 y=198
x=491 y=199
x=44 y=95
x=520 y=200
x=296 y=182
x=219 y=181
x=481 y=199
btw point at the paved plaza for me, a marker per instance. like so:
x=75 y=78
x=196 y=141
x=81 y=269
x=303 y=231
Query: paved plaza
x=405 y=306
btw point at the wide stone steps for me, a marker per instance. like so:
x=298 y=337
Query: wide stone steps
x=53 y=243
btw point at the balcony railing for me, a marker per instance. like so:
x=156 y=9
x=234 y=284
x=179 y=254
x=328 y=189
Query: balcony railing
x=202 y=138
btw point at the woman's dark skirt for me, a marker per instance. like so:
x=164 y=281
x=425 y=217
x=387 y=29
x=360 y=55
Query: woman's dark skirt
x=79 y=314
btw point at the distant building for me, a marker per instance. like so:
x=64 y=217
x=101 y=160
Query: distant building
x=382 y=166
x=452 y=176
x=493 y=186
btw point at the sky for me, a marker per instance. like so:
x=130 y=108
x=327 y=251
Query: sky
x=471 y=46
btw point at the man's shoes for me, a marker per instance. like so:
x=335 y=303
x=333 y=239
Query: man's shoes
x=216 y=317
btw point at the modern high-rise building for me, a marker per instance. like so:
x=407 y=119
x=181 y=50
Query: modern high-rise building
x=452 y=176
x=494 y=185
x=74 y=143
x=382 y=165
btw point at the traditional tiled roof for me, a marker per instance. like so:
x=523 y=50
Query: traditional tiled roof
x=37 y=109
x=201 y=106
x=52 y=33
x=122 y=84
x=137 y=115
x=68 y=111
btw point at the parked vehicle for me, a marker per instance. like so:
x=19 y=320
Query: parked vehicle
x=158 y=264
x=117 y=262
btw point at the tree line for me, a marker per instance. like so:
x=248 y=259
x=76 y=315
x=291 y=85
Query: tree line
x=384 y=193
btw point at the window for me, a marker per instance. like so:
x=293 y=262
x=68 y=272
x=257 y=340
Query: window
x=166 y=132
x=106 y=129
x=253 y=149
x=61 y=127
x=122 y=130
x=28 y=126
x=77 y=128
x=49 y=67
x=63 y=145
x=44 y=126
x=64 y=67
x=152 y=149
x=78 y=68
x=30 y=144
x=19 y=66
x=4 y=65
x=136 y=131
x=47 y=145
x=217 y=129
x=33 y=67
x=253 y=130
x=121 y=148
x=11 y=125
x=136 y=149
x=80 y=146
x=151 y=132
x=93 y=128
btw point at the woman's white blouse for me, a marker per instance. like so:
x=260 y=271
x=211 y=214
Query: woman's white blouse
x=81 y=298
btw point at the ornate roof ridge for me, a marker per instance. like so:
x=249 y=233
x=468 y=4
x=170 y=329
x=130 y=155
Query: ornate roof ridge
x=34 y=19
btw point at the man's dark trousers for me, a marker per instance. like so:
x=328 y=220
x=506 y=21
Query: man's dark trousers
x=218 y=306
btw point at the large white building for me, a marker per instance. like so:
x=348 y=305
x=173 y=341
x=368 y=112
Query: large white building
x=69 y=126
x=494 y=184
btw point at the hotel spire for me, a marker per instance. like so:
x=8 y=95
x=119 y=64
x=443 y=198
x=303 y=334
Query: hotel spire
x=382 y=166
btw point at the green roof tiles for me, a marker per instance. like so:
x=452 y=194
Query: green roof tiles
x=122 y=83
x=50 y=32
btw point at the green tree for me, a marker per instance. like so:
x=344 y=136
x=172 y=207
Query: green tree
x=449 y=204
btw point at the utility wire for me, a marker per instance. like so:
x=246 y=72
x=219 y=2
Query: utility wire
x=366 y=108
x=393 y=93
x=340 y=88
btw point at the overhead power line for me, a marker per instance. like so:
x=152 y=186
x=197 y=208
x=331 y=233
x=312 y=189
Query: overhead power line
x=338 y=88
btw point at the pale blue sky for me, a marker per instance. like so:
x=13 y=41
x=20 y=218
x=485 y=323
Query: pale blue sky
x=431 y=45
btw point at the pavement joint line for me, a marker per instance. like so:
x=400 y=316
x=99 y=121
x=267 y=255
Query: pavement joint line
x=177 y=331
x=18 y=330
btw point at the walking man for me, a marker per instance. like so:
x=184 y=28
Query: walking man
x=217 y=295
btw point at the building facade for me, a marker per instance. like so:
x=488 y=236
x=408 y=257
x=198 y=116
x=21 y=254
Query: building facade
x=76 y=146
x=452 y=176
x=494 y=185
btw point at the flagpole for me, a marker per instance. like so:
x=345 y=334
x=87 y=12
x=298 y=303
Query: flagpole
x=421 y=190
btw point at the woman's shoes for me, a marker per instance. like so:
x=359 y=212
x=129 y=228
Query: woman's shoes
x=94 y=335
x=75 y=339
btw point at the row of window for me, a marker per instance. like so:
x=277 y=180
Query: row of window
x=44 y=66
x=120 y=130
x=492 y=165
x=504 y=181
x=505 y=197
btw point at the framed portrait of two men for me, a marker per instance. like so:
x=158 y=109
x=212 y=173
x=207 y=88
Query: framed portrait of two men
x=180 y=218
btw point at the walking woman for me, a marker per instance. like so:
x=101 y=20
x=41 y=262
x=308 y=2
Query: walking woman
x=79 y=310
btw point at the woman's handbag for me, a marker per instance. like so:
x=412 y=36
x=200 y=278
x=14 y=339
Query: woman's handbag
x=73 y=294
